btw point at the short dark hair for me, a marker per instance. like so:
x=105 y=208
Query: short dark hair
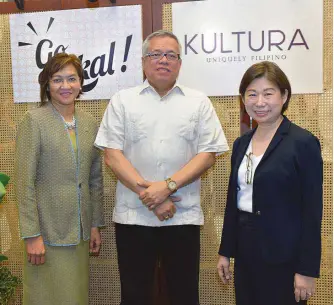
x=273 y=73
x=54 y=64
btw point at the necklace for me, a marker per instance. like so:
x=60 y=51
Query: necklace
x=70 y=125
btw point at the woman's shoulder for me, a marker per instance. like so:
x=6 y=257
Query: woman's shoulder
x=85 y=116
x=39 y=110
x=39 y=113
x=245 y=137
x=303 y=140
x=301 y=134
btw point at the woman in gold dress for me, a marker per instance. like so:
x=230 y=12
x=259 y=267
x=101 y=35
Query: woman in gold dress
x=59 y=189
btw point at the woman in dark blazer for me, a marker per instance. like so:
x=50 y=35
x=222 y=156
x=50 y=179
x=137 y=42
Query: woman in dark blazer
x=272 y=224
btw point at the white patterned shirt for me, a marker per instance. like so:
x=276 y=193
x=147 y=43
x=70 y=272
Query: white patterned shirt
x=160 y=135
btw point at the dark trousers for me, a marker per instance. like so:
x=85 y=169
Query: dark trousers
x=178 y=250
x=257 y=282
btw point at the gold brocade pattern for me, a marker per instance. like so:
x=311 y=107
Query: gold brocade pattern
x=313 y=112
x=62 y=279
x=55 y=193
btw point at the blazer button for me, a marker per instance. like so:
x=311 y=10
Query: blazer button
x=79 y=185
x=258 y=213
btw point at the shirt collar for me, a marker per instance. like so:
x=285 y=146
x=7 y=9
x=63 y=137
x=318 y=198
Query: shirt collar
x=146 y=85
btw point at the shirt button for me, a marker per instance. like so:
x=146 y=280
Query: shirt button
x=258 y=213
x=161 y=141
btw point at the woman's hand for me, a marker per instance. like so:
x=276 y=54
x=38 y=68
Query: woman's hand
x=223 y=267
x=35 y=250
x=304 y=287
x=95 y=240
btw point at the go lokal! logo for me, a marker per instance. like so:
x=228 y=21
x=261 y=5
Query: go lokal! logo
x=92 y=68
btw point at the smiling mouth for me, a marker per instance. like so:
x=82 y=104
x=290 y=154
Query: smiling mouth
x=163 y=69
x=65 y=93
x=261 y=112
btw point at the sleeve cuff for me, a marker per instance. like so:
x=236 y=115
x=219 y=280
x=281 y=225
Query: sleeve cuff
x=216 y=149
x=31 y=236
x=104 y=144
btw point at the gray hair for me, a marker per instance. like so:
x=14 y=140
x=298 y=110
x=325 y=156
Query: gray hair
x=160 y=33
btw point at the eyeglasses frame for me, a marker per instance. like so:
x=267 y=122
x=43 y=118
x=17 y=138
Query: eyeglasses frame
x=163 y=54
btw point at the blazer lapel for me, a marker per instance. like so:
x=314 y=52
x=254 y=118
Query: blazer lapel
x=82 y=132
x=241 y=150
x=67 y=144
x=278 y=137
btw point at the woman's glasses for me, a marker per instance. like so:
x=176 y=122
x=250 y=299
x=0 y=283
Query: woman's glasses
x=249 y=168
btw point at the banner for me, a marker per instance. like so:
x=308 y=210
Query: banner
x=222 y=39
x=107 y=40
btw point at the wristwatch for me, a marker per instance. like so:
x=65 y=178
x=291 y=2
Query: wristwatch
x=171 y=184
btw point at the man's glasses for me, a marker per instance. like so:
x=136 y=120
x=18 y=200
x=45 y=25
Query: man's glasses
x=249 y=168
x=159 y=55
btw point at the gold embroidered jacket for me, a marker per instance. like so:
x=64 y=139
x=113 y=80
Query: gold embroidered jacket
x=57 y=192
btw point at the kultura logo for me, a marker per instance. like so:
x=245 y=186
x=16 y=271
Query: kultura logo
x=243 y=41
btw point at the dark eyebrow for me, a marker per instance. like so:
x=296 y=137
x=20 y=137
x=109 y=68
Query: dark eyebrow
x=57 y=75
x=267 y=89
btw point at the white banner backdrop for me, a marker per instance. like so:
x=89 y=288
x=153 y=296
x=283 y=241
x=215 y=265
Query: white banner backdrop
x=107 y=40
x=221 y=39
